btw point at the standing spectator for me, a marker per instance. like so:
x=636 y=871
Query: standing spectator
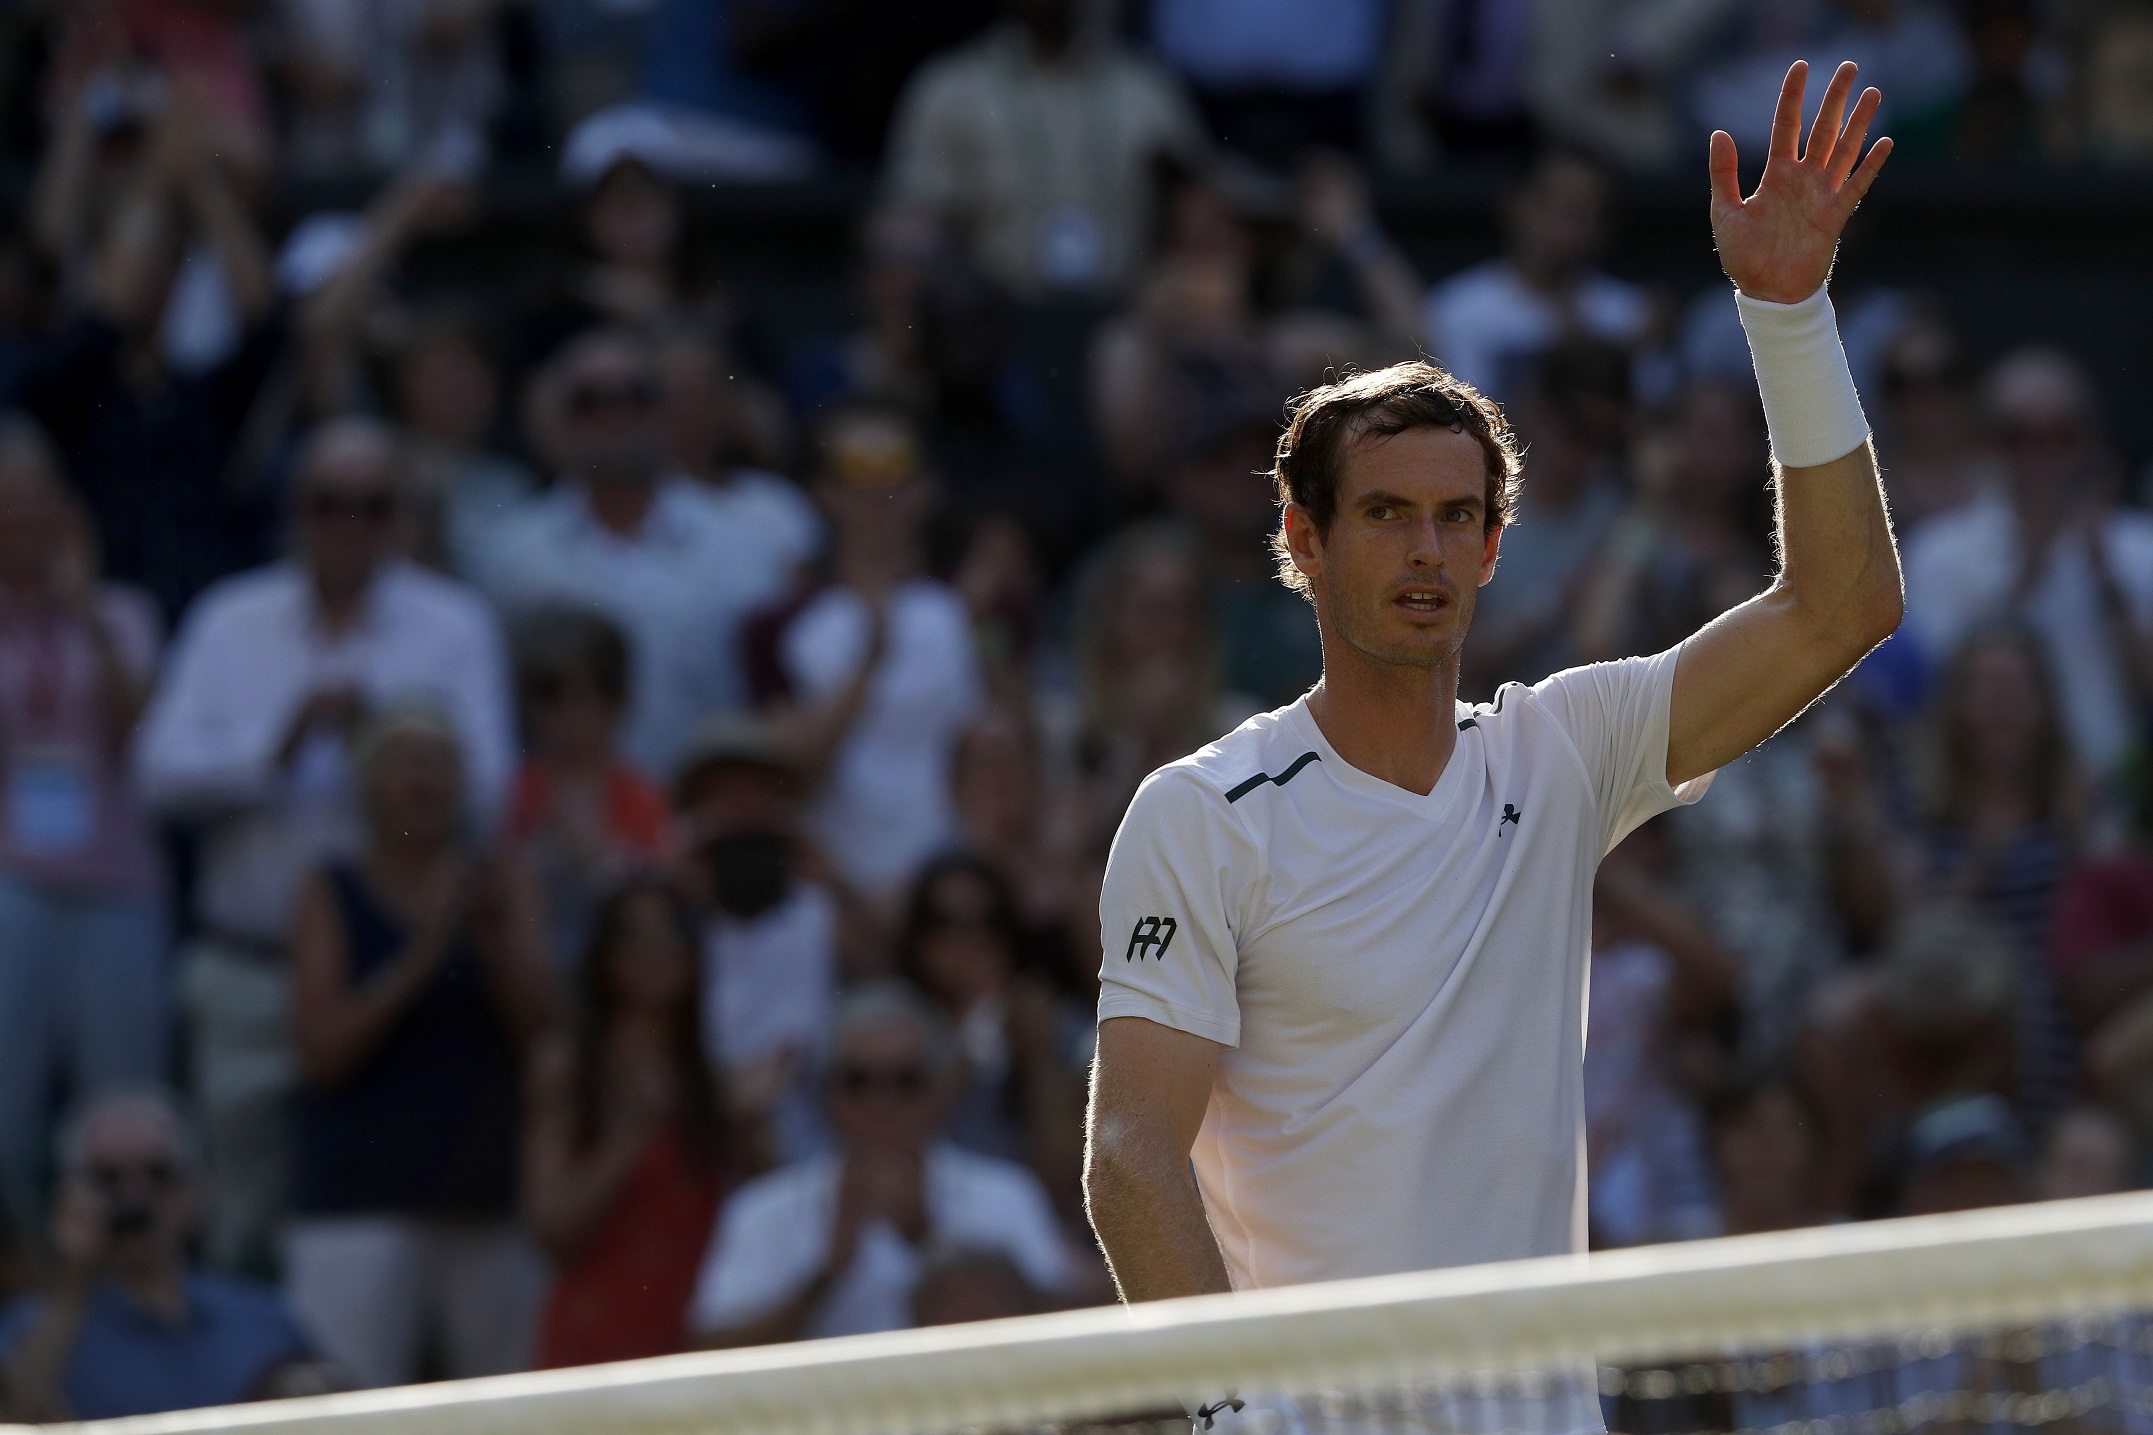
x=724 y=428
x=672 y=563
x=833 y=1245
x=375 y=84
x=626 y=1146
x=1275 y=78
x=1488 y=324
x=582 y=817
x=2050 y=548
x=445 y=387
x=1014 y=820
x=1020 y=1098
x=1931 y=440
x=1035 y=143
x=148 y=430
x=1609 y=75
x=877 y=670
x=1454 y=84
x=247 y=735
x=83 y=993
x=419 y=978
x=128 y=1326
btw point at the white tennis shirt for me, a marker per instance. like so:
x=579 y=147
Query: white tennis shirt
x=1400 y=980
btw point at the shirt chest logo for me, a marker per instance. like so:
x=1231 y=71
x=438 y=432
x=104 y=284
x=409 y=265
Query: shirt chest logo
x=1511 y=818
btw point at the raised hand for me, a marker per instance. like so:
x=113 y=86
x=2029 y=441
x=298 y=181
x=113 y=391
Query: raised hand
x=1777 y=245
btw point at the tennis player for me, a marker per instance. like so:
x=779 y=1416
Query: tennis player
x=1345 y=945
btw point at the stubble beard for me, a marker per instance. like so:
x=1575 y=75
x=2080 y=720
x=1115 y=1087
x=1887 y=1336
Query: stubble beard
x=1363 y=632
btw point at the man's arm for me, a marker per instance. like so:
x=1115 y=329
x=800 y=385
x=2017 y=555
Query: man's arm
x=1150 y=1085
x=1837 y=595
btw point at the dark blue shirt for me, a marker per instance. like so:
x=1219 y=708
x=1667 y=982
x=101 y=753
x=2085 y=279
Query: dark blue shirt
x=129 y=1362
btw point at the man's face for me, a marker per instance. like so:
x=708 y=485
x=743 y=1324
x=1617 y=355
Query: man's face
x=1398 y=574
x=882 y=1089
x=347 y=512
x=1556 y=221
x=2044 y=445
x=131 y=1168
x=609 y=428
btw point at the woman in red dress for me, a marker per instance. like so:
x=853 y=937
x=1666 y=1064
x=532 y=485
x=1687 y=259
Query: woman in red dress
x=626 y=1155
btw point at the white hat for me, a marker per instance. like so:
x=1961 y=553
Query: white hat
x=682 y=146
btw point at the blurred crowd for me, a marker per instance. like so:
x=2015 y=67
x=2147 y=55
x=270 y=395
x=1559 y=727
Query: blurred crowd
x=540 y=828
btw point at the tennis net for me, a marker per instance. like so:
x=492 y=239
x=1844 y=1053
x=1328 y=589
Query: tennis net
x=2022 y=1317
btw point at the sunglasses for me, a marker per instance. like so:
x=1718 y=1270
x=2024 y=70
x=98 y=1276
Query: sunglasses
x=111 y=1179
x=585 y=400
x=358 y=507
x=909 y=1081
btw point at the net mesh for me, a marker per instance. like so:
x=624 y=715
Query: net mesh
x=2032 y=1317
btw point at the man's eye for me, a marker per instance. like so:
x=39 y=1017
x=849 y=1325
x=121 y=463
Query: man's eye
x=1458 y=515
x=1382 y=511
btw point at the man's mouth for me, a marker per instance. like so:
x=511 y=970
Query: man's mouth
x=1423 y=600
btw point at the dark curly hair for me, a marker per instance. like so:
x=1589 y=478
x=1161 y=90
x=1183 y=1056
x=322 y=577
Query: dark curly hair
x=1322 y=424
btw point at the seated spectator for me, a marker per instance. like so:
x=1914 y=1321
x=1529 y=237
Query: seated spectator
x=1199 y=348
x=445 y=387
x=83 y=991
x=961 y=1285
x=627 y=1147
x=1930 y=435
x=2011 y=113
x=2089 y=1152
x=2049 y=548
x=419 y=978
x=833 y=1245
x=1766 y=1134
x=149 y=425
x=1609 y=75
x=581 y=817
x=1148 y=665
x=1021 y=1096
x=127 y=1325
x=674 y=564
x=774 y=927
x=2101 y=942
x=1489 y=323
x=248 y=736
x=1963 y=1154
x=373 y=87
x=874 y=675
x=1453 y=85
x=1932 y=1023
x=999 y=141
x=1011 y=819
x=1574 y=419
x=725 y=429
x=1278 y=78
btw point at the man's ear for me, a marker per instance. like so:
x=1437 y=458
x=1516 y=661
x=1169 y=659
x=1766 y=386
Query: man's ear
x=1303 y=544
x=1488 y=555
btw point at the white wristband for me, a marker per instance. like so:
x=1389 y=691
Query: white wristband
x=1810 y=407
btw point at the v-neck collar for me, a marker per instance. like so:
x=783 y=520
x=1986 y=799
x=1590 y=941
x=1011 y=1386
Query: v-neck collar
x=1439 y=799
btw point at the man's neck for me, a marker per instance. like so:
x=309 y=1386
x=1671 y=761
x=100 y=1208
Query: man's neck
x=161 y=1291
x=338 y=605
x=621 y=505
x=1390 y=720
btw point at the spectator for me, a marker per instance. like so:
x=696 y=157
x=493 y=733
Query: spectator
x=832 y=1245
x=128 y=1326
x=2114 y=95
x=626 y=1147
x=1021 y=1097
x=581 y=817
x=724 y=428
x=445 y=386
x=418 y=979
x=1013 y=820
x=2050 y=548
x=1933 y=1023
x=2088 y=1153
x=961 y=1285
x=774 y=927
x=1931 y=438
x=148 y=424
x=1453 y=84
x=1148 y=679
x=875 y=672
x=1608 y=75
x=1197 y=349
x=1275 y=79
x=676 y=565
x=1963 y=1154
x=1489 y=323
x=1035 y=143
x=1574 y=418
x=2101 y=941
x=374 y=86
x=247 y=735
x=1767 y=1133
x=2009 y=113
x=83 y=992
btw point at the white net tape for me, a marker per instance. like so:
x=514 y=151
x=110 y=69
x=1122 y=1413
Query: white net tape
x=2029 y=1316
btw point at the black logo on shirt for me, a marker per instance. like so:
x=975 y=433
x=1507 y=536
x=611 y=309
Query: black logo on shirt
x=1510 y=815
x=1151 y=938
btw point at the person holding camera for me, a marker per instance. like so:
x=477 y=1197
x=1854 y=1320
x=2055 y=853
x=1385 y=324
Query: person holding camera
x=127 y=1326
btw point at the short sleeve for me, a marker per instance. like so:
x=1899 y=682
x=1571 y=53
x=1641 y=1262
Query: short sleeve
x=1615 y=715
x=771 y=1238
x=1167 y=907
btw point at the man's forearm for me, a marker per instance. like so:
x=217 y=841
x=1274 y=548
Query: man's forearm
x=1150 y=1221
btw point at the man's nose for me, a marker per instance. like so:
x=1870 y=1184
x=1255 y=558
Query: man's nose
x=1426 y=547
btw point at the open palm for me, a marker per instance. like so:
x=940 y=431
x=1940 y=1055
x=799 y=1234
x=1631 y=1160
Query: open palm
x=1777 y=244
